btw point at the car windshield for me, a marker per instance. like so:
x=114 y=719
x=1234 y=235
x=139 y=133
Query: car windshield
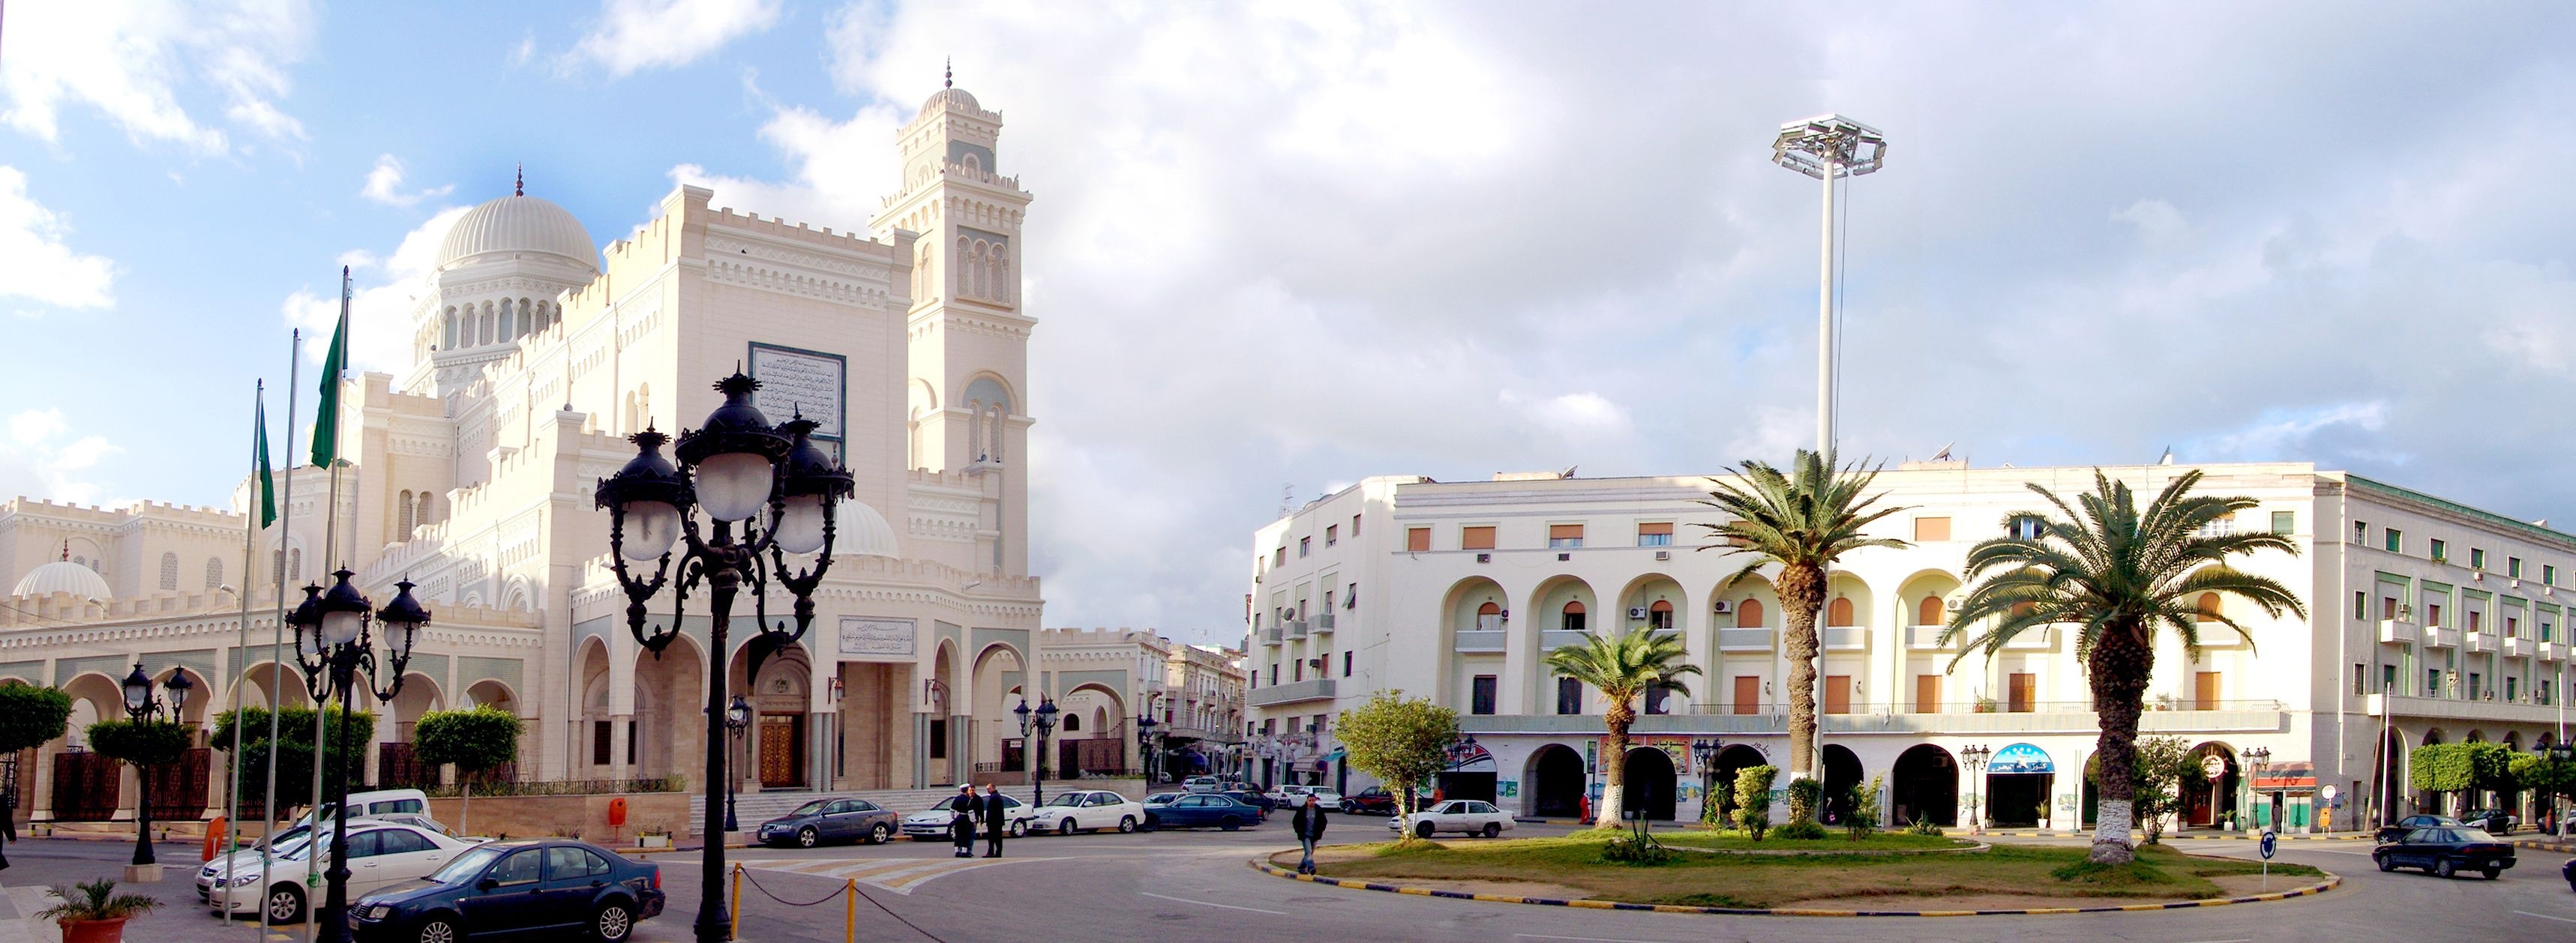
x=1066 y=798
x=466 y=865
x=811 y=808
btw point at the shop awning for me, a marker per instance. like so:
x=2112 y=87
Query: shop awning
x=2020 y=758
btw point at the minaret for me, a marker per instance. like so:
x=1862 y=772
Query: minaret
x=968 y=406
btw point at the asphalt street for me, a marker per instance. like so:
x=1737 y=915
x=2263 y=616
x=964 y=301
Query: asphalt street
x=1196 y=885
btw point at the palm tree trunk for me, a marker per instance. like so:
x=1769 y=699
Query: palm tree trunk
x=2121 y=663
x=1614 y=765
x=1802 y=595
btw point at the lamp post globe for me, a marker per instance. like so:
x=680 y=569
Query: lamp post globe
x=737 y=719
x=333 y=647
x=734 y=457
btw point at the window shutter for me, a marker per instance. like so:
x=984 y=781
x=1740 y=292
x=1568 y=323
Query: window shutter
x=1565 y=532
x=1476 y=538
x=1928 y=529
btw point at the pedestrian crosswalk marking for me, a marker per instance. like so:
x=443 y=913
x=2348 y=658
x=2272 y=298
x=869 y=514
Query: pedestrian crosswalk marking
x=900 y=875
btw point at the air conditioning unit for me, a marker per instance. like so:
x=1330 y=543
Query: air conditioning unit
x=1720 y=607
x=1636 y=612
x=1663 y=554
x=1484 y=558
x=1562 y=557
x=1954 y=602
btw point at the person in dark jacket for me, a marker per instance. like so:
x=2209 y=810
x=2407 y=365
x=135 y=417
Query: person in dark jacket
x=1309 y=826
x=997 y=819
x=961 y=820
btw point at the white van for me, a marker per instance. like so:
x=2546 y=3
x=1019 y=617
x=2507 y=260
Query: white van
x=379 y=802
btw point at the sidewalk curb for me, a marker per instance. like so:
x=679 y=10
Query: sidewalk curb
x=2166 y=838
x=1263 y=865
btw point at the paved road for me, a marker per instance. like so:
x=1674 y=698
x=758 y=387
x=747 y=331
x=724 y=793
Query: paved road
x=1176 y=885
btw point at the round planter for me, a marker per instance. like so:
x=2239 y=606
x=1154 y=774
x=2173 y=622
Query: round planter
x=94 y=931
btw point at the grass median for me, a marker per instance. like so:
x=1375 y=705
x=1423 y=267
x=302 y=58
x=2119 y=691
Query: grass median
x=2007 y=875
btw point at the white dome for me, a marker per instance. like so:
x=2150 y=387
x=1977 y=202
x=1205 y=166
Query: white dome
x=863 y=532
x=64 y=576
x=519 y=224
x=944 y=96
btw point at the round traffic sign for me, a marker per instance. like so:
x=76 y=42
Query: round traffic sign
x=2328 y=792
x=2271 y=842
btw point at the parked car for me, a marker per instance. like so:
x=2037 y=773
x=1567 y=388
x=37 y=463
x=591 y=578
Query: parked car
x=224 y=867
x=932 y=823
x=1253 y=799
x=2446 y=850
x=380 y=855
x=1201 y=784
x=1469 y=816
x=1068 y=812
x=373 y=803
x=2568 y=871
x=516 y=888
x=1201 y=811
x=1374 y=800
x=830 y=820
x=1287 y=794
x=2495 y=821
x=2398 y=829
x=1162 y=798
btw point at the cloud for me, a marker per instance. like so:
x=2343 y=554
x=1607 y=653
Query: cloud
x=35 y=264
x=2156 y=220
x=384 y=184
x=380 y=306
x=40 y=459
x=634 y=35
x=135 y=61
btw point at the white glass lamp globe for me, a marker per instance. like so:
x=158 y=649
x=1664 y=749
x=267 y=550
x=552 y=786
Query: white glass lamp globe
x=733 y=486
x=800 y=528
x=651 y=528
x=341 y=628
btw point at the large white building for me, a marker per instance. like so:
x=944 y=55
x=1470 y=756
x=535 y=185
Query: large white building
x=471 y=473
x=2430 y=622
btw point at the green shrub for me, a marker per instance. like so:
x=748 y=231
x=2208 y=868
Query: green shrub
x=31 y=716
x=1637 y=848
x=150 y=743
x=1753 y=798
x=1864 y=806
x=1800 y=830
x=1925 y=827
x=1806 y=798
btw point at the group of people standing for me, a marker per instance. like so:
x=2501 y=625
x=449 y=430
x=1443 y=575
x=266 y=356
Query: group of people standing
x=969 y=808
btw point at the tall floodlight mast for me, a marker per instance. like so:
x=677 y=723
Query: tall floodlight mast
x=1828 y=147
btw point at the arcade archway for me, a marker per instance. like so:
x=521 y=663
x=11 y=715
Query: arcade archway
x=1924 y=787
x=1842 y=776
x=1648 y=792
x=1555 y=779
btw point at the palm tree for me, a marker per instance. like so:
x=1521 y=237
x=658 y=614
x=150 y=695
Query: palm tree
x=2117 y=576
x=1640 y=662
x=1803 y=519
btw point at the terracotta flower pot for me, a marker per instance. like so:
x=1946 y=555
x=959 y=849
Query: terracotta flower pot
x=94 y=931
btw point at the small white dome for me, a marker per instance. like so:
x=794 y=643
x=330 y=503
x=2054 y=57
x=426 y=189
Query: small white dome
x=862 y=532
x=518 y=224
x=943 y=97
x=64 y=576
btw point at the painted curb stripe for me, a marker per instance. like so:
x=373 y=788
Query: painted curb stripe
x=2331 y=882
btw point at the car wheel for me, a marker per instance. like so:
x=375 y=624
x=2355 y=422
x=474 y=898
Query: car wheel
x=2445 y=868
x=614 y=923
x=2387 y=864
x=1493 y=830
x=1065 y=827
x=285 y=904
x=879 y=834
x=1155 y=823
x=438 y=930
x=2491 y=871
x=1019 y=828
x=1230 y=823
x=1422 y=830
x=1126 y=824
x=807 y=837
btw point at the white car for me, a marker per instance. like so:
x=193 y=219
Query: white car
x=932 y=823
x=1069 y=812
x=247 y=859
x=1466 y=816
x=1202 y=784
x=381 y=854
x=1288 y=795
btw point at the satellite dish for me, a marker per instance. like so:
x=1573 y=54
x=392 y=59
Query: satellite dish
x=1943 y=454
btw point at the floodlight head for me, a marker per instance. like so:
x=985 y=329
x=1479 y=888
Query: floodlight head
x=1829 y=143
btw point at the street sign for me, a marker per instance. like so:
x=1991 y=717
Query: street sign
x=2271 y=843
x=2328 y=792
x=2213 y=766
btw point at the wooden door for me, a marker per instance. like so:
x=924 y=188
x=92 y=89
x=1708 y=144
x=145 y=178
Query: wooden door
x=2204 y=690
x=179 y=789
x=1927 y=694
x=2021 y=693
x=782 y=750
x=1748 y=691
x=1837 y=694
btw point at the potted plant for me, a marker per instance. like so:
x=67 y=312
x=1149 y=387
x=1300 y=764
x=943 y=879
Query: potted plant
x=92 y=911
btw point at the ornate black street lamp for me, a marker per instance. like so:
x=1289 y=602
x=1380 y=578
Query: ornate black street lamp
x=737 y=720
x=333 y=644
x=2258 y=758
x=1044 y=718
x=1976 y=757
x=142 y=708
x=1146 y=753
x=1704 y=750
x=733 y=469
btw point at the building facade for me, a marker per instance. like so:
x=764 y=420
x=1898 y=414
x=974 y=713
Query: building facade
x=2428 y=622
x=470 y=473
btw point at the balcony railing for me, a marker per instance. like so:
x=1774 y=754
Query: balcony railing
x=1744 y=640
x=2517 y=647
x=2046 y=717
x=2552 y=651
x=1924 y=636
x=2438 y=637
x=1846 y=638
x=2449 y=708
x=1481 y=641
x=2481 y=642
x=2394 y=632
x=2036 y=637
x=1554 y=639
x=1294 y=691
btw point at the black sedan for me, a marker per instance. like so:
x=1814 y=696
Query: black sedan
x=2495 y=821
x=2445 y=851
x=824 y=820
x=1200 y=810
x=2398 y=829
x=509 y=889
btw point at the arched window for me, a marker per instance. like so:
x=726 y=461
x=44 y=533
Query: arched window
x=993 y=436
x=507 y=321
x=425 y=506
x=483 y=329
x=1838 y=613
x=913 y=430
x=214 y=572
x=1931 y=611
x=295 y=563
x=404 y=515
x=1748 y=614
x=1002 y=278
x=980 y=269
x=450 y=327
x=1660 y=615
x=1573 y=617
x=957 y=265
x=2208 y=607
x=527 y=318
x=975 y=430
x=974 y=164
x=1073 y=723
x=170 y=571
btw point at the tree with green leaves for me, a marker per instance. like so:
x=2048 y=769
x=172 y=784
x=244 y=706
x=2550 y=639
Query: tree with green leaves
x=30 y=717
x=1803 y=519
x=1632 y=665
x=2120 y=577
x=1753 y=798
x=294 y=757
x=475 y=739
x=2156 y=782
x=1403 y=742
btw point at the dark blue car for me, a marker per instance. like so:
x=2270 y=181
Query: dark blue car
x=1201 y=810
x=507 y=889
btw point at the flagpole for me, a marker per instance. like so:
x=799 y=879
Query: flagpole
x=241 y=645
x=277 y=646
x=335 y=362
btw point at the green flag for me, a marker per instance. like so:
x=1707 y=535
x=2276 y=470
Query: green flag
x=266 y=483
x=326 y=419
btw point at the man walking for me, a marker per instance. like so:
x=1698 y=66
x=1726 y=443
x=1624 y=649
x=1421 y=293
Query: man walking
x=997 y=819
x=1309 y=827
x=961 y=820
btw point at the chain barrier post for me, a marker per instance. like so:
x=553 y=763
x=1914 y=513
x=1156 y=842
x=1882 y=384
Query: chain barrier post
x=850 y=922
x=734 y=929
